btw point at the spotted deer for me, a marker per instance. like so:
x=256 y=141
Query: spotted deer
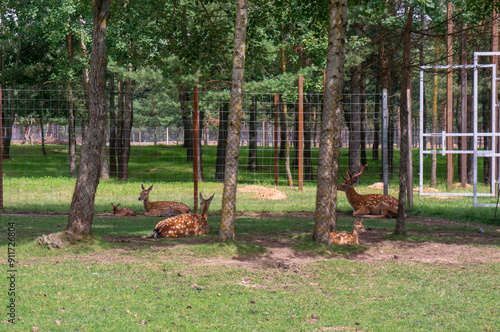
x=184 y=224
x=117 y=212
x=349 y=238
x=373 y=206
x=161 y=208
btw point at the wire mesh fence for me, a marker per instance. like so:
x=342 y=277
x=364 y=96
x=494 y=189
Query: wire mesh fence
x=149 y=138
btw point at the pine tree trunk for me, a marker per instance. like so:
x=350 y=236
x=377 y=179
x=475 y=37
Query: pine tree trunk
x=112 y=127
x=82 y=204
x=128 y=120
x=328 y=163
x=226 y=231
x=252 y=145
x=405 y=149
x=220 y=163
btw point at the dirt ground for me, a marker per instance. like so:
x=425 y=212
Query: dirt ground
x=457 y=248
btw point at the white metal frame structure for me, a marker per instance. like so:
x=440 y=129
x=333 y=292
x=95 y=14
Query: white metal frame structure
x=475 y=134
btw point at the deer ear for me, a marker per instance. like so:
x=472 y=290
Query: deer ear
x=149 y=189
x=142 y=185
x=211 y=197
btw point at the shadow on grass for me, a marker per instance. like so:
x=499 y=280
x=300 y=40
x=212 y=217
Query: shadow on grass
x=307 y=246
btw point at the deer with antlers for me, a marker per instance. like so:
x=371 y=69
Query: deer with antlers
x=161 y=208
x=184 y=224
x=117 y=212
x=373 y=206
x=349 y=238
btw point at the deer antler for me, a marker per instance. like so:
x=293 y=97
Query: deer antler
x=360 y=172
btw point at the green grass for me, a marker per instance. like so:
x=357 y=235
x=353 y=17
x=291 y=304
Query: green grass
x=177 y=284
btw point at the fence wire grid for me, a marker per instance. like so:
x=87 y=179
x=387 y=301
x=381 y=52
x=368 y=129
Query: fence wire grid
x=37 y=127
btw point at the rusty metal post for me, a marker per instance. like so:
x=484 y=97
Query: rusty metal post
x=196 y=152
x=300 y=143
x=276 y=140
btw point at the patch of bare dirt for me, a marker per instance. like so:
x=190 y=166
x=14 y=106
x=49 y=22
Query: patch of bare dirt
x=262 y=192
x=457 y=247
x=452 y=247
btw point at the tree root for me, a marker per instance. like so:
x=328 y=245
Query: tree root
x=58 y=240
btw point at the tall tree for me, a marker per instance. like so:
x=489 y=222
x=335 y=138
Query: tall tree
x=328 y=163
x=226 y=231
x=405 y=149
x=82 y=204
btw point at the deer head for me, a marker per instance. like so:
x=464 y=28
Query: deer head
x=351 y=179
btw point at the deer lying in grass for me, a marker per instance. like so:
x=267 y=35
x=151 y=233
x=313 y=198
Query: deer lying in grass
x=117 y=212
x=373 y=206
x=161 y=208
x=349 y=238
x=184 y=224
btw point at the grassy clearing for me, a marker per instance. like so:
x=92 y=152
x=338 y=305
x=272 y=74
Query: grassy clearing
x=189 y=284
x=120 y=282
x=34 y=182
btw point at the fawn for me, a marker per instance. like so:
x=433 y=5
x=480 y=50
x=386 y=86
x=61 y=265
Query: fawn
x=349 y=238
x=161 y=208
x=184 y=224
x=368 y=206
x=117 y=212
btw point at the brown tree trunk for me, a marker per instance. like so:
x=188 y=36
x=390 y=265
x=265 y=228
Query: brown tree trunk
x=226 y=231
x=220 y=162
x=82 y=204
x=308 y=126
x=71 y=115
x=328 y=164
x=405 y=149
x=112 y=127
x=252 y=145
x=126 y=132
x=119 y=125
x=376 y=124
x=355 y=122
x=187 y=123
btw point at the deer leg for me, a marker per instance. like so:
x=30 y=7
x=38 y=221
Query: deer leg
x=362 y=211
x=169 y=213
x=153 y=213
x=388 y=210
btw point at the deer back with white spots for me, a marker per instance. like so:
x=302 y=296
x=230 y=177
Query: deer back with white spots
x=161 y=208
x=349 y=238
x=373 y=206
x=184 y=224
x=125 y=212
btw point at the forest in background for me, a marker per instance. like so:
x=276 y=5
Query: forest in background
x=176 y=45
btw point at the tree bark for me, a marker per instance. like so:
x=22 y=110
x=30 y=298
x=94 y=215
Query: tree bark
x=119 y=125
x=112 y=127
x=82 y=204
x=405 y=149
x=187 y=123
x=226 y=231
x=126 y=132
x=220 y=163
x=328 y=163
x=355 y=121
x=308 y=127
x=252 y=145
